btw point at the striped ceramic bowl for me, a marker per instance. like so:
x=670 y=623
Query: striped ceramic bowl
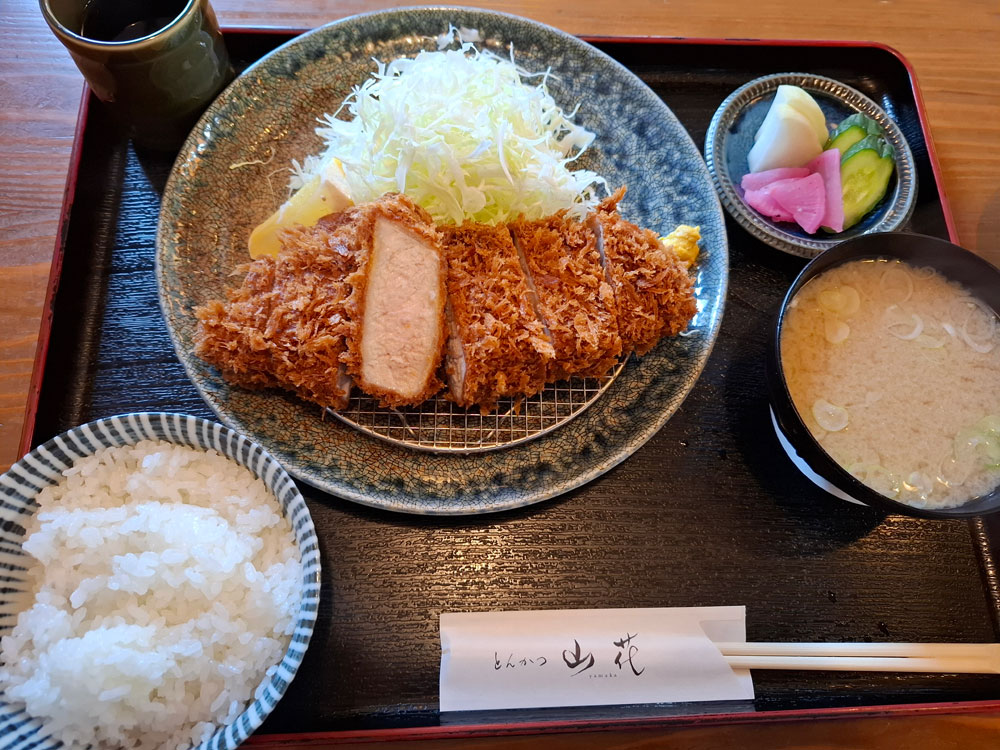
x=43 y=466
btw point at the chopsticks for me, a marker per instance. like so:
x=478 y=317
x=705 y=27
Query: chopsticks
x=963 y=658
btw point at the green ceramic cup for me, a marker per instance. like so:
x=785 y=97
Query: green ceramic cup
x=156 y=64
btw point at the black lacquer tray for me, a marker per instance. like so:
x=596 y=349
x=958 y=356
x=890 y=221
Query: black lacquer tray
x=709 y=512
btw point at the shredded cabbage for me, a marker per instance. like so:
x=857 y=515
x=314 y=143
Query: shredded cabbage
x=461 y=134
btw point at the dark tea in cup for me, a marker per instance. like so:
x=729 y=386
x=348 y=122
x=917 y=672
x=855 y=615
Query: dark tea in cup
x=127 y=20
x=156 y=64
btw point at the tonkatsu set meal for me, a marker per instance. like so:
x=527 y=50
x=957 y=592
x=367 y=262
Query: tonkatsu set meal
x=441 y=244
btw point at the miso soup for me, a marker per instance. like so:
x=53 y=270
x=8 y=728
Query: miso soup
x=895 y=370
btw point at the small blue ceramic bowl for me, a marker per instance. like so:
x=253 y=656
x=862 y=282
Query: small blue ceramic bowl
x=43 y=467
x=953 y=262
x=730 y=137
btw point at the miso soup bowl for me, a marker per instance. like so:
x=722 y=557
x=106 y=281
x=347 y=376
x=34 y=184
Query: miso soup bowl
x=951 y=261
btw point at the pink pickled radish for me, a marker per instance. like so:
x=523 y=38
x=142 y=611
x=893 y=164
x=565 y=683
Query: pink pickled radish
x=827 y=165
x=757 y=180
x=804 y=198
x=762 y=202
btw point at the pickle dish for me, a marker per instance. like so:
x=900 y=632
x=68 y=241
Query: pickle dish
x=847 y=113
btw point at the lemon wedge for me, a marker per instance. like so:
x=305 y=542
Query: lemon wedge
x=324 y=194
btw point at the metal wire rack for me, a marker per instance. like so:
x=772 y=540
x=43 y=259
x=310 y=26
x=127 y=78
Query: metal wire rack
x=439 y=426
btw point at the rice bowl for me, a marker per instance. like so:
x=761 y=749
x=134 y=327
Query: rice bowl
x=178 y=614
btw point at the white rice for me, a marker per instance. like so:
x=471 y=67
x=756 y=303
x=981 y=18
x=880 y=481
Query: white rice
x=166 y=588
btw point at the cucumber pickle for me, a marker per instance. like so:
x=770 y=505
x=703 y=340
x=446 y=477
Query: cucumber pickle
x=851 y=130
x=865 y=170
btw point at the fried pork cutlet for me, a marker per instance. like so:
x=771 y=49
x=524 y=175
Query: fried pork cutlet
x=360 y=294
x=496 y=345
x=398 y=305
x=574 y=299
x=364 y=297
x=286 y=325
x=654 y=295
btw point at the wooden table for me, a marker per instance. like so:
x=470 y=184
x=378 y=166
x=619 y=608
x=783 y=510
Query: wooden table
x=954 y=48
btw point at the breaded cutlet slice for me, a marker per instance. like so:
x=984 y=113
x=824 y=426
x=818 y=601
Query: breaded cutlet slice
x=395 y=313
x=654 y=294
x=575 y=300
x=361 y=294
x=285 y=326
x=496 y=345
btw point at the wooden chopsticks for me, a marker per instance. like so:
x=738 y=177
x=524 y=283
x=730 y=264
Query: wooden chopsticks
x=965 y=658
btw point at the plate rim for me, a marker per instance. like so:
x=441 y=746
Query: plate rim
x=438 y=506
x=905 y=193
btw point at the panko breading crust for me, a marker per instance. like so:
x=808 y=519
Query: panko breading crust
x=575 y=300
x=286 y=326
x=654 y=294
x=295 y=322
x=505 y=347
x=593 y=291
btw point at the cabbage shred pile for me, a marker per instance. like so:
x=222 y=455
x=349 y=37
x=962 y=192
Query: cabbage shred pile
x=463 y=135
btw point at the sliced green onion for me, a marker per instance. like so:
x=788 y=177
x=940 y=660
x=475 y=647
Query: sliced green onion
x=836 y=331
x=841 y=300
x=877 y=477
x=986 y=340
x=930 y=342
x=896 y=285
x=906 y=326
x=830 y=417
